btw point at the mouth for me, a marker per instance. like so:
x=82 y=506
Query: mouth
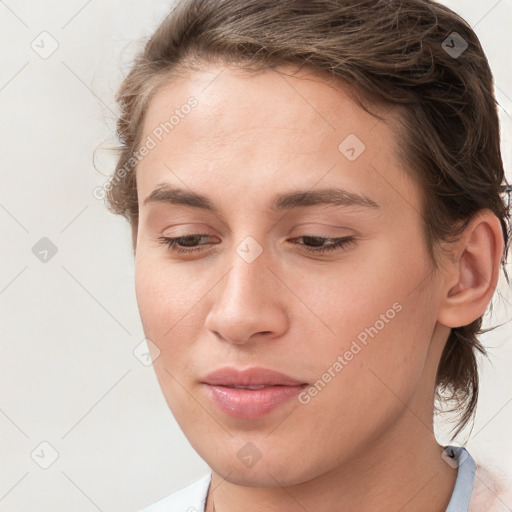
x=250 y=393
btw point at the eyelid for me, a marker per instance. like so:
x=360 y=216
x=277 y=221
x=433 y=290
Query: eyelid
x=337 y=243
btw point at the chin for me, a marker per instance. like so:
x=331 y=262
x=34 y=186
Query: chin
x=261 y=464
x=263 y=474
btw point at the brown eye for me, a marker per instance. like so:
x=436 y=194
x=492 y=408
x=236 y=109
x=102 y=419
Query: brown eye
x=179 y=244
x=315 y=243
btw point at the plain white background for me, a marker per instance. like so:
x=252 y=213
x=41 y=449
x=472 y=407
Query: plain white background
x=70 y=325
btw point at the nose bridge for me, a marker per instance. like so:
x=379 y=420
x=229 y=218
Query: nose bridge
x=246 y=302
x=246 y=284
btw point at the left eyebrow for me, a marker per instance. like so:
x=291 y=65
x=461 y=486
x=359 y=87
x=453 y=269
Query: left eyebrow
x=295 y=199
x=172 y=195
x=325 y=196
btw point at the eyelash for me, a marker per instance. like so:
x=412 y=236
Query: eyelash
x=338 y=243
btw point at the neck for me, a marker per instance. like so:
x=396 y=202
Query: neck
x=401 y=470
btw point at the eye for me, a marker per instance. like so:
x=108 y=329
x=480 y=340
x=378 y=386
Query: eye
x=314 y=244
x=183 y=244
x=318 y=241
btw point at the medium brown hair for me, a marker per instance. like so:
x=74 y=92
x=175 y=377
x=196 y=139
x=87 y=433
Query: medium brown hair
x=391 y=52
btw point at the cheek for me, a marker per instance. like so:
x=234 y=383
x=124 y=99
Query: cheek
x=380 y=320
x=168 y=306
x=168 y=303
x=165 y=293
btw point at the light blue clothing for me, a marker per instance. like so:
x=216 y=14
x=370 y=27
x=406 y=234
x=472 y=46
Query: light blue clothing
x=193 y=497
x=463 y=489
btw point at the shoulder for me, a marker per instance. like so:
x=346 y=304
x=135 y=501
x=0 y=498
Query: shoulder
x=490 y=492
x=189 y=499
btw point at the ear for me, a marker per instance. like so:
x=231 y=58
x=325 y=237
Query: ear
x=471 y=273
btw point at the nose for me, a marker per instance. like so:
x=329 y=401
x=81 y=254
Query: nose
x=248 y=303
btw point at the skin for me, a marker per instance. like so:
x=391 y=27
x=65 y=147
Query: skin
x=289 y=310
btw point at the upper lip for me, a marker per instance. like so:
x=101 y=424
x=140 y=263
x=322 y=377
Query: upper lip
x=249 y=377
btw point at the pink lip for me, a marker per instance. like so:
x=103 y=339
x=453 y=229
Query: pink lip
x=228 y=389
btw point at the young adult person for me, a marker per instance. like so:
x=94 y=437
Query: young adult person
x=316 y=193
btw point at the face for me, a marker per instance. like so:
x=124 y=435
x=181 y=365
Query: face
x=285 y=288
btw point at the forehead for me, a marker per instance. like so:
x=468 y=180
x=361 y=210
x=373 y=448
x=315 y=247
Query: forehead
x=231 y=98
x=252 y=132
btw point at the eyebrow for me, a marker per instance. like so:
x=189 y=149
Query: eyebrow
x=285 y=201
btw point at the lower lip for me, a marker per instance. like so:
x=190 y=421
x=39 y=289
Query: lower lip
x=247 y=403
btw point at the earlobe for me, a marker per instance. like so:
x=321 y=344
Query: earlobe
x=472 y=274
